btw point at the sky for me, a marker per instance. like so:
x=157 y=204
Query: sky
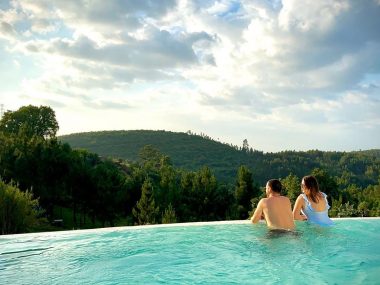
x=285 y=75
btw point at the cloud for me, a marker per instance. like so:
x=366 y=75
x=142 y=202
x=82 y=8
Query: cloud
x=103 y=17
x=103 y=105
x=279 y=63
x=290 y=54
x=280 y=48
x=7 y=31
x=299 y=41
x=52 y=103
x=160 y=50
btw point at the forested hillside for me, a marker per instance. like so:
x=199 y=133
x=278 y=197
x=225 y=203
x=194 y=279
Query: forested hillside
x=191 y=151
x=46 y=184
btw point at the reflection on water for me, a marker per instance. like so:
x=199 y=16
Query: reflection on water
x=277 y=233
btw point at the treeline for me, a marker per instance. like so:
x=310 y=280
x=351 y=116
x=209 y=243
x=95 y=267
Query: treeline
x=44 y=180
x=191 y=151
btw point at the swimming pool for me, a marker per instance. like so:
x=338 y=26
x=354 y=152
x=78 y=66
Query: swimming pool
x=205 y=253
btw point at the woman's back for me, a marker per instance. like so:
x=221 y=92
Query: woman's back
x=321 y=203
x=317 y=212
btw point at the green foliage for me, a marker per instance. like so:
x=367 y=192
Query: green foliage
x=368 y=200
x=255 y=201
x=326 y=183
x=363 y=209
x=169 y=216
x=244 y=191
x=108 y=182
x=19 y=212
x=340 y=209
x=151 y=157
x=86 y=190
x=346 y=210
x=292 y=187
x=146 y=211
x=30 y=121
x=204 y=188
x=81 y=221
x=191 y=152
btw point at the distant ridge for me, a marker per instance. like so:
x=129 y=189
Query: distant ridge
x=192 y=151
x=186 y=150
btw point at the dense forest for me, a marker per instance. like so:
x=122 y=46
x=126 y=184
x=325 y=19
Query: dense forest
x=191 y=152
x=128 y=178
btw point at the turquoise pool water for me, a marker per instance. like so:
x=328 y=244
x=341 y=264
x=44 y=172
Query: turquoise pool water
x=235 y=253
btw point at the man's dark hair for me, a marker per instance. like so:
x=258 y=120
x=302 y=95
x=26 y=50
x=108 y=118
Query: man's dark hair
x=275 y=185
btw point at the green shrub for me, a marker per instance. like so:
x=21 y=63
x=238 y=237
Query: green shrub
x=18 y=210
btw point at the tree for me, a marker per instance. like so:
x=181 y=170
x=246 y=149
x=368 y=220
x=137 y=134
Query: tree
x=31 y=121
x=81 y=185
x=145 y=211
x=37 y=164
x=326 y=183
x=371 y=195
x=363 y=209
x=343 y=210
x=245 y=145
x=203 y=190
x=291 y=184
x=18 y=210
x=169 y=216
x=168 y=190
x=187 y=198
x=108 y=186
x=150 y=156
x=244 y=191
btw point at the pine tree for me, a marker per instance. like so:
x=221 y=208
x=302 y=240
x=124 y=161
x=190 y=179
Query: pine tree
x=244 y=191
x=145 y=211
x=169 y=216
x=245 y=145
x=291 y=184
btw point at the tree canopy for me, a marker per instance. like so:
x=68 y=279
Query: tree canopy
x=30 y=121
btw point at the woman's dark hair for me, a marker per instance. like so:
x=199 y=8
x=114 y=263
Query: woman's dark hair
x=311 y=183
x=275 y=185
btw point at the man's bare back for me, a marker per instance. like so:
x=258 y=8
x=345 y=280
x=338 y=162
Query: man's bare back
x=276 y=209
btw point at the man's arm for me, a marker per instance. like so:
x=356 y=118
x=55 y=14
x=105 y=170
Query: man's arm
x=258 y=212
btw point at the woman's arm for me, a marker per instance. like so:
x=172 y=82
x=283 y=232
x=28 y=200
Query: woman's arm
x=258 y=212
x=299 y=204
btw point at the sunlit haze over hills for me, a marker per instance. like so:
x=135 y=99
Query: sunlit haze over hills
x=285 y=75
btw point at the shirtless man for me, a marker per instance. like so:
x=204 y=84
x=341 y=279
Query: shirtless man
x=277 y=209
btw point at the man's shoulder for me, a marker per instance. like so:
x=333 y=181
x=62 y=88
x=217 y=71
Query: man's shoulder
x=263 y=200
x=285 y=199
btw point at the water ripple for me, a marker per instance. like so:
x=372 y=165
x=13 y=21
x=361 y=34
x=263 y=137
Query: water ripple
x=210 y=254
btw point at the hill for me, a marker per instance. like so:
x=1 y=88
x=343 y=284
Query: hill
x=191 y=151
x=188 y=151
